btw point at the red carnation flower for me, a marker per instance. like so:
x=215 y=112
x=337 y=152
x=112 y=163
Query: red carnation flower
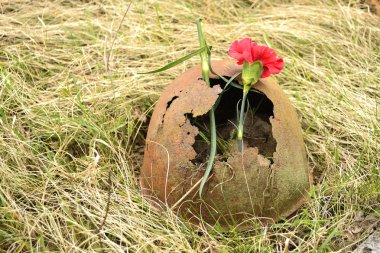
x=246 y=50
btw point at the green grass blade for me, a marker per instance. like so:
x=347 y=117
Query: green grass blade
x=176 y=62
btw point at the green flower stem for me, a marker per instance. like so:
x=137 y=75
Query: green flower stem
x=241 y=118
x=250 y=75
x=203 y=54
x=211 y=158
x=206 y=78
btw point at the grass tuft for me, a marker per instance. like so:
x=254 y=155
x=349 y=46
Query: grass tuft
x=64 y=123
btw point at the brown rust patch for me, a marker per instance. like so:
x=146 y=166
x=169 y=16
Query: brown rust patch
x=374 y=6
x=291 y=172
x=240 y=187
x=173 y=137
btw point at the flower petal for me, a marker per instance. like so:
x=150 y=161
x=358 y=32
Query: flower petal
x=268 y=56
x=276 y=67
x=241 y=50
x=245 y=44
x=265 y=73
x=236 y=55
x=257 y=52
x=235 y=51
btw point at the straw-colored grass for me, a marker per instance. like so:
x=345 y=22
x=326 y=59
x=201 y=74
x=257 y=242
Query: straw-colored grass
x=65 y=121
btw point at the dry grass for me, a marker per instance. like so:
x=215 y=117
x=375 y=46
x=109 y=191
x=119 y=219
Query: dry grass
x=65 y=122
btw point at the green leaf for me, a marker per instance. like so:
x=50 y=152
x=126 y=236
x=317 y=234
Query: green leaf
x=231 y=79
x=228 y=82
x=176 y=62
x=222 y=77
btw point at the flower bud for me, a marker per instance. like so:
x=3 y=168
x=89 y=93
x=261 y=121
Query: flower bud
x=251 y=73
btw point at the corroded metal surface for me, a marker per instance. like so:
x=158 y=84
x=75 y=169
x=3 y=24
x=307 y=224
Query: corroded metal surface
x=243 y=186
x=171 y=136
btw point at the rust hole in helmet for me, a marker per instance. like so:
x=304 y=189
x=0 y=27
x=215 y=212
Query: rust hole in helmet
x=257 y=129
